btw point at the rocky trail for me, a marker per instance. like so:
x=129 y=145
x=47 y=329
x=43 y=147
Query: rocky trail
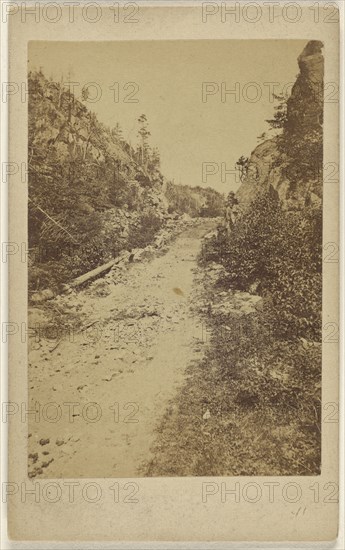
x=100 y=392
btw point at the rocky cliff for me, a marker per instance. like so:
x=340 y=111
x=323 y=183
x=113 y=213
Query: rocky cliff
x=91 y=193
x=290 y=164
x=70 y=149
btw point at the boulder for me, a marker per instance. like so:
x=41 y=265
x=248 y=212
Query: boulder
x=42 y=296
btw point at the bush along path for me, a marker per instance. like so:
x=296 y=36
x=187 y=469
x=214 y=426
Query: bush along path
x=109 y=377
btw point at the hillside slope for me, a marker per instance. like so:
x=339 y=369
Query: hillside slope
x=91 y=194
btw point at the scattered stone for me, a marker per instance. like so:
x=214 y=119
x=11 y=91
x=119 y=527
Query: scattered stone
x=304 y=343
x=60 y=442
x=110 y=377
x=44 y=441
x=42 y=296
x=46 y=464
x=34 y=457
x=254 y=287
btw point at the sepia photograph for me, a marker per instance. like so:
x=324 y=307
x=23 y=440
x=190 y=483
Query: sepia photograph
x=175 y=220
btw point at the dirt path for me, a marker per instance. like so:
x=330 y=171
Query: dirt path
x=109 y=387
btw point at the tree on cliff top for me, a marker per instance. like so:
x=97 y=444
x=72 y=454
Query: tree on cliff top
x=144 y=135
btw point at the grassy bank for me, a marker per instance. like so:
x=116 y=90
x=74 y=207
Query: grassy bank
x=264 y=410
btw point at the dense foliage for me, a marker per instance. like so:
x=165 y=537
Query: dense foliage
x=279 y=253
x=195 y=201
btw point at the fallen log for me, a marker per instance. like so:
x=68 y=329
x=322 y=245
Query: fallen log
x=91 y=274
x=48 y=294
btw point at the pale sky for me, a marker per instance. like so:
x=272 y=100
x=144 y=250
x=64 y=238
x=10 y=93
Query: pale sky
x=169 y=75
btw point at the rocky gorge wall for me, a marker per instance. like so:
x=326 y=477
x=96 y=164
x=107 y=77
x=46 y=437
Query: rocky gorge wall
x=290 y=164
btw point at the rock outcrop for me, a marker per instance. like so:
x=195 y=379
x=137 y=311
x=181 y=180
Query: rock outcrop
x=290 y=164
x=305 y=105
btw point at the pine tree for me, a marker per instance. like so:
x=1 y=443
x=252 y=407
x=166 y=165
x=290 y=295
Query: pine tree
x=143 y=134
x=117 y=132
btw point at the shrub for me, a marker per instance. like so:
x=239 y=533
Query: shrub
x=144 y=231
x=281 y=252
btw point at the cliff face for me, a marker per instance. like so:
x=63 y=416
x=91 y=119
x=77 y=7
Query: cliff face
x=305 y=105
x=262 y=175
x=69 y=145
x=77 y=165
x=290 y=164
x=91 y=194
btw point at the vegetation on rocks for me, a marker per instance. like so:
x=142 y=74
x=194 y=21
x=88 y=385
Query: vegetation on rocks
x=279 y=253
x=91 y=193
x=194 y=201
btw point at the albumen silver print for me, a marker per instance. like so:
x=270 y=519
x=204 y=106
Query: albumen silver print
x=178 y=315
x=174 y=254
